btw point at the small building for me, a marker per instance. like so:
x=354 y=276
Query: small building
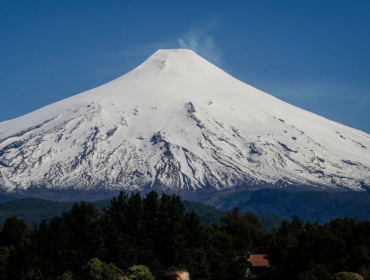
x=259 y=263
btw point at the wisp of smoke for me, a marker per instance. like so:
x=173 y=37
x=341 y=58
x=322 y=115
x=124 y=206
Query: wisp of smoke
x=201 y=43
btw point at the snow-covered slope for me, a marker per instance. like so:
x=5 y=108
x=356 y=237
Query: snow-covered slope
x=179 y=122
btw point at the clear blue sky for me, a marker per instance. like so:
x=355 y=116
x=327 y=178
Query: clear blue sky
x=313 y=54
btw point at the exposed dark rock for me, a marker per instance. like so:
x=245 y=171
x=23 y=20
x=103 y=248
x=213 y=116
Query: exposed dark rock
x=156 y=138
x=192 y=108
x=286 y=148
x=349 y=162
x=111 y=132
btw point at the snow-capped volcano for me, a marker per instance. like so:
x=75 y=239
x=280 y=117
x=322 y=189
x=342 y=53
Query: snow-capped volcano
x=179 y=122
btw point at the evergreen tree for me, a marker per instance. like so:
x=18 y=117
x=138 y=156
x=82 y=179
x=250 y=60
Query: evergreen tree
x=147 y=245
x=84 y=233
x=51 y=247
x=16 y=249
x=170 y=241
x=119 y=246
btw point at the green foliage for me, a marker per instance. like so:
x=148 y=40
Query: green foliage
x=34 y=210
x=84 y=232
x=314 y=250
x=15 y=237
x=4 y=255
x=66 y=276
x=15 y=232
x=247 y=233
x=142 y=237
x=347 y=276
x=207 y=214
x=50 y=242
x=316 y=272
x=270 y=222
x=139 y=272
x=95 y=269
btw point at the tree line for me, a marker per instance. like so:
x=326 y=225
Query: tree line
x=144 y=237
x=33 y=210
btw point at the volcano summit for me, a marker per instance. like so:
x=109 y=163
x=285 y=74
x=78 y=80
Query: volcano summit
x=178 y=122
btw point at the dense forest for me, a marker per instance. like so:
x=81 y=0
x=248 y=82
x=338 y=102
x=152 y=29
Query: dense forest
x=310 y=205
x=33 y=210
x=143 y=237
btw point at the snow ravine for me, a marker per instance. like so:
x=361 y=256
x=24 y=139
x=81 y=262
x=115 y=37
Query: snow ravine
x=179 y=122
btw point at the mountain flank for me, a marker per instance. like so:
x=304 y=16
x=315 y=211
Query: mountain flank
x=179 y=123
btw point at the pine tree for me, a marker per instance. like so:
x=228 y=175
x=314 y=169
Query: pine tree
x=84 y=233
x=51 y=247
x=119 y=246
x=16 y=244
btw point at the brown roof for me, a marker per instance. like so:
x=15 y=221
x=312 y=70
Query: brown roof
x=259 y=260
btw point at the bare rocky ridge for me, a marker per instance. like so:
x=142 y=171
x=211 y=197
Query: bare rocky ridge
x=179 y=122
